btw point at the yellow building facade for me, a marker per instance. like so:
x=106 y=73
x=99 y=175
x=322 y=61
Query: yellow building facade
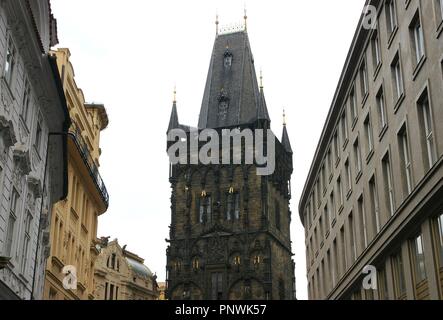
x=70 y=267
x=123 y=275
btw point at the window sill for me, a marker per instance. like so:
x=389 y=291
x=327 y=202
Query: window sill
x=337 y=162
x=316 y=254
x=322 y=245
x=328 y=234
x=341 y=209
x=358 y=177
x=354 y=123
x=377 y=70
x=334 y=222
x=399 y=103
x=418 y=68
x=349 y=194
x=392 y=36
x=369 y=156
x=365 y=98
x=439 y=29
x=345 y=144
x=382 y=132
x=330 y=178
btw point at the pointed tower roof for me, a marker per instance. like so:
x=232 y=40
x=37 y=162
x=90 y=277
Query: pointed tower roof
x=232 y=96
x=285 y=137
x=173 y=121
x=262 y=113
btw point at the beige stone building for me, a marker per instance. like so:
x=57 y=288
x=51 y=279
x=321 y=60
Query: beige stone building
x=74 y=221
x=374 y=194
x=122 y=275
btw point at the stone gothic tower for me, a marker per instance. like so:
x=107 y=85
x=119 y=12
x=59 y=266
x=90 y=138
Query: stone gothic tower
x=230 y=228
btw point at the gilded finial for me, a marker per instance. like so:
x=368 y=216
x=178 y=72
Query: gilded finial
x=261 y=79
x=284 y=117
x=246 y=18
x=216 y=23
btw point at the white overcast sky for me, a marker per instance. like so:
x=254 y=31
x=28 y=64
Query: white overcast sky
x=129 y=54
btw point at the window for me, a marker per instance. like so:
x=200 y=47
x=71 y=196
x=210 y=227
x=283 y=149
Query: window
x=113 y=259
x=427 y=130
x=353 y=104
x=343 y=250
x=333 y=208
x=340 y=192
x=363 y=225
x=323 y=178
x=382 y=285
x=418 y=256
x=26 y=241
x=348 y=177
x=397 y=78
x=357 y=156
x=439 y=10
x=335 y=264
x=196 y=264
x=376 y=54
x=13 y=214
x=331 y=268
x=336 y=148
x=391 y=16
x=322 y=234
x=327 y=215
x=389 y=186
x=439 y=239
x=111 y=292
x=277 y=216
x=233 y=206
x=344 y=128
x=217 y=286
x=369 y=136
x=375 y=205
x=381 y=110
x=417 y=39
x=352 y=237
x=318 y=192
x=205 y=209
x=406 y=164
x=10 y=62
x=38 y=137
x=399 y=275
x=331 y=165
x=364 y=79
x=26 y=102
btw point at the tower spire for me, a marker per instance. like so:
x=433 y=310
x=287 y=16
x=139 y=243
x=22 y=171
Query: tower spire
x=261 y=79
x=285 y=137
x=173 y=120
x=216 y=23
x=246 y=18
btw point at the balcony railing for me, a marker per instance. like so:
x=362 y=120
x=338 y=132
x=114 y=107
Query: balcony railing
x=75 y=133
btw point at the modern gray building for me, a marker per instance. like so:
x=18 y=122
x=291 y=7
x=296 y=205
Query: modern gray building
x=33 y=116
x=374 y=193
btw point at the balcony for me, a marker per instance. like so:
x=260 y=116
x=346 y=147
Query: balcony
x=75 y=134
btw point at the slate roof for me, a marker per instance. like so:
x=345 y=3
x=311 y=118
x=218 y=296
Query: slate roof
x=237 y=84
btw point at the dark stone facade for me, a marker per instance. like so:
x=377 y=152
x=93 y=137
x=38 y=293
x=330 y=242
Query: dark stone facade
x=230 y=228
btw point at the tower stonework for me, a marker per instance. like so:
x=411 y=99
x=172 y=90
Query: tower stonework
x=230 y=227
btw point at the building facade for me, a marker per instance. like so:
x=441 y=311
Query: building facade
x=122 y=275
x=374 y=194
x=230 y=227
x=74 y=221
x=33 y=168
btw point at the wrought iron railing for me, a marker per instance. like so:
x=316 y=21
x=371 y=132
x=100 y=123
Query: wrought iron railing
x=75 y=133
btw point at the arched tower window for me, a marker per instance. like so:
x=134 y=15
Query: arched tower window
x=233 y=206
x=205 y=208
x=228 y=57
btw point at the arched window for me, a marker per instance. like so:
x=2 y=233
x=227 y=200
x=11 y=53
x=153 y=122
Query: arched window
x=233 y=206
x=205 y=209
x=196 y=264
x=113 y=261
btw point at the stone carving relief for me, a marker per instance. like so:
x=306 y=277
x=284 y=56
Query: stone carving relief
x=22 y=165
x=34 y=192
x=216 y=250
